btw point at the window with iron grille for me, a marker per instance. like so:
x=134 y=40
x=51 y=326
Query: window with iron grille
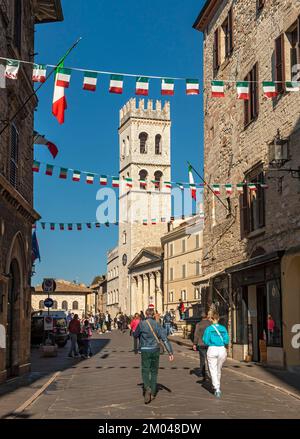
x=251 y=106
x=14 y=156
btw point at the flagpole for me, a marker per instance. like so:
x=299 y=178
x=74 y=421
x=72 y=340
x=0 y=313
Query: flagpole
x=209 y=187
x=37 y=89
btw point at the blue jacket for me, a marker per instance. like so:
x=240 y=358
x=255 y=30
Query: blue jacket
x=212 y=338
x=148 y=342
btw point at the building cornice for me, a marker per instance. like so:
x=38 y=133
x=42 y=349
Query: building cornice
x=206 y=14
x=15 y=199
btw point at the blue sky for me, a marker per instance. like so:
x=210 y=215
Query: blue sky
x=145 y=37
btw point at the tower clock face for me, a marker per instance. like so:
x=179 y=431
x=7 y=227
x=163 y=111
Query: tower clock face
x=124 y=259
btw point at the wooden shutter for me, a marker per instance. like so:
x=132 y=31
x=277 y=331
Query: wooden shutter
x=216 y=55
x=244 y=213
x=261 y=201
x=279 y=63
x=255 y=93
x=247 y=105
x=230 y=30
x=298 y=38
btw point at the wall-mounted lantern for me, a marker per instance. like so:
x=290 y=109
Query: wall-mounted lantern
x=279 y=152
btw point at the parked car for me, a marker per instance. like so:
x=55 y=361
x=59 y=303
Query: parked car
x=59 y=335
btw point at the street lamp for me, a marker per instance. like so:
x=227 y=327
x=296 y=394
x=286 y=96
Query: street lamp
x=279 y=151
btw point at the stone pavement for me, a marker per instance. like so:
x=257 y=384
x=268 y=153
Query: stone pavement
x=109 y=385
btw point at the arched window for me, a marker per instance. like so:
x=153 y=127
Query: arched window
x=157 y=177
x=41 y=304
x=64 y=305
x=75 y=305
x=54 y=304
x=143 y=179
x=123 y=150
x=158 y=144
x=143 y=143
x=127 y=145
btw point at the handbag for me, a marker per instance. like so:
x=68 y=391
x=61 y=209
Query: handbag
x=161 y=346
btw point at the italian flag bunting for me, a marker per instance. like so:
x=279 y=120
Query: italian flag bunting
x=63 y=173
x=167 y=87
x=39 y=73
x=79 y=226
x=243 y=90
x=103 y=180
x=97 y=225
x=43 y=225
x=70 y=226
x=291 y=86
x=240 y=188
x=36 y=166
x=76 y=175
x=145 y=222
x=252 y=187
x=217 y=89
x=116 y=84
x=143 y=183
x=192 y=87
x=156 y=183
x=89 y=225
x=52 y=226
x=269 y=89
x=264 y=186
x=107 y=223
x=12 y=69
x=180 y=185
x=63 y=77
x=168 y=184
x=228 y=188
x=90 y=81
x=59 y=104
x=62 y=226
x=90 y=178
x=153 y=221
x=192 y=183
x=115 y=181
x=128 y=182
x=49 y=170
x=142 y=86
x=216 y=189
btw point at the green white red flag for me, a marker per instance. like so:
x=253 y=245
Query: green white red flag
x=192 y=183
x=116 y=84
x=39 y=73
x=269 y=89
x=90 y=178
x=252 y=187
x=143 y=183
x=292 y=86
x=70 y=226
x=192 y=87
x=63 y=77
x=217 y=89
x=240 y=188
x=61 y=226
x=59 y=104
x=167 y=87
x=168 y=184
x=63 y=173
x=36 y=166
x=142 y=86
x=103 y=180
x=128 y=182
x=115 y=181
x=216 y=189
x=228 y=189
x=12 y=69
x=243 y=90
x=49 y=170
x=76 y=175
x=90 y=81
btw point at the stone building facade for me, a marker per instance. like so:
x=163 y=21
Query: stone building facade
x=145 y=272
x=17 y=20
x=252 y=257
x=95 y=300
x=112 y=294
x=68 y=296
x=182 y=251
x=145 y=157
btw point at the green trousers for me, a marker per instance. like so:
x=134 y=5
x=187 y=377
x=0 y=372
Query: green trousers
x=150 y=364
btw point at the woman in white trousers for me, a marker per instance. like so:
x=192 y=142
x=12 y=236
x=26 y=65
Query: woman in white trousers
x=216 y=338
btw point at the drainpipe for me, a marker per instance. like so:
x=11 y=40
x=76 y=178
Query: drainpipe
x=230 y=327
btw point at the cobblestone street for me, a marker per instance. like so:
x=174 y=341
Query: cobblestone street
x=108 y=385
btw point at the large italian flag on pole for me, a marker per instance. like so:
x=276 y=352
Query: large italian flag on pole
x=142 y=86
x=59 y=104
x=192 y=183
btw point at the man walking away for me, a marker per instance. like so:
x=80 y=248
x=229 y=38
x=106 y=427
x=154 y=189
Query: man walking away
x=74 y=330
x=216 y=338
x=108 y=321
x=149 y=333
x=133 y=325
x=199 y=345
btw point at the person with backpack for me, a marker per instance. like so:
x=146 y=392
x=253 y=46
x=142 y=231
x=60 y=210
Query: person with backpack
x=216 y=338
x=150 y=333
x=74 y=331
x=199 y=345
x=86 y=334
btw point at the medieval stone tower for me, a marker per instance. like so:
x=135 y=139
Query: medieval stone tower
x=145 y=166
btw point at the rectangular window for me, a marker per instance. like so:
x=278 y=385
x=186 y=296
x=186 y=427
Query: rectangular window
x=292 y=52
x=216 y=55
x=197 y=294
x=171 y=248
x=183 y=271
x=198 y=268
x=252 y=206
x=171 y=296
x=240 y=321
x=183 y=246
x=279 y=63
x=251 y=106
x=227 y=30
x=18 y=24
x=171 y=273
x=14 y=156
x=183 y=295
x=197 y=241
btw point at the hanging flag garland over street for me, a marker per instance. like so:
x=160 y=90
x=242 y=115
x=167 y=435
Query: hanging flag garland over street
x=217 y=89
x=39 y=73
x=12 y=69
x=76 y=175
x=269 y=89
x=116 y=84
x=192 y=87
x=90 y=81
x=243 y=90
x=142 y=86
x=63 y=77
x=167 y=87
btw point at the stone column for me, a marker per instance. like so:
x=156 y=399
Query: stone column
x=159 y=296
x=145 y=291
x=133 y=303
x=152 y=288
x=139 y=293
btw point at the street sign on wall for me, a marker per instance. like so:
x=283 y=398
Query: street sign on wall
x=48 y=323
x=49 y=285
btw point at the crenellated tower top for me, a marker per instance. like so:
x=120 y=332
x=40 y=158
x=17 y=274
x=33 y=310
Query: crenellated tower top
x=130 y=109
